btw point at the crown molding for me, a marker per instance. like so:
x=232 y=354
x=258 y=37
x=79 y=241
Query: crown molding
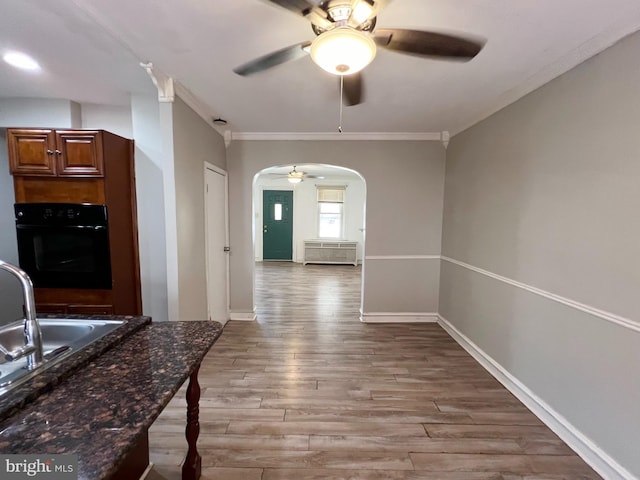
x=199 y=107
x=326 y=136
x=163 y=83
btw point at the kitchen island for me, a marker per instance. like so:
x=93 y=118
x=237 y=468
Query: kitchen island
x=102 y=412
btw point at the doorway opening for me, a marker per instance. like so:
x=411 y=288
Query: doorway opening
x=327 y=235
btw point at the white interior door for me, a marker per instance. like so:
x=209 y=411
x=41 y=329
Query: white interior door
x=216 y=238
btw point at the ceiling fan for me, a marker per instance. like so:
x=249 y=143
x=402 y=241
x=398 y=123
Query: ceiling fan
x=347 y=40
x=295 y=176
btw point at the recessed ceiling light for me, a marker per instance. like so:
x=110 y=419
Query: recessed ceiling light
x=20 y=60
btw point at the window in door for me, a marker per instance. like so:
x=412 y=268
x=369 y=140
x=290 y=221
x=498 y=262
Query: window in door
x=330 y=211
x=277 y=212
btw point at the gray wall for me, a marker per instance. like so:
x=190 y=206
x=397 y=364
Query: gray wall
x=546 y=192
x=194 y=142
x=39 y=112
x=10 y=293
x=403 y=214
x=149 y=165
x=113 y=118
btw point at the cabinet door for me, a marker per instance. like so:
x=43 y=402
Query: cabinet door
x=79 y=153
x=32 y=152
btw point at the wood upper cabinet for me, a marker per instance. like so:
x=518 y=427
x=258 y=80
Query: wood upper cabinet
x=80 y=153
x=55 y=153
x=32 y=152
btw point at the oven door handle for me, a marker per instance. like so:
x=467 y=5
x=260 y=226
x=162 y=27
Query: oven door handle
x=62 y=227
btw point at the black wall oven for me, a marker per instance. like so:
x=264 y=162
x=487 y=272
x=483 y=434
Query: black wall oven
x=64 y=245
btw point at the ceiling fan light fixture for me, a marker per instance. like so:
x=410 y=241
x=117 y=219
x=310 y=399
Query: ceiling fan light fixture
x=343 y=50
x=295 y=176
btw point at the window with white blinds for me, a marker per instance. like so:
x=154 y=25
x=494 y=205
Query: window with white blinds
x=330 y=211
x=331 y=194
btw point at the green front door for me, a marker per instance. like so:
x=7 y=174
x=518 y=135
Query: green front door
x=277 y=225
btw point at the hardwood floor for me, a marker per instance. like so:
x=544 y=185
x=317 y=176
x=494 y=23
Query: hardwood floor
x=310 y=392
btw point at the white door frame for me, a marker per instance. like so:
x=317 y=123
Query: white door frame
x=218 y=170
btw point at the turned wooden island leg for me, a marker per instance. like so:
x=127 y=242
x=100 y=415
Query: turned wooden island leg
x=193 y=462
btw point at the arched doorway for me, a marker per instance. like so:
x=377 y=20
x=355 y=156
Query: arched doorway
x=328 y=205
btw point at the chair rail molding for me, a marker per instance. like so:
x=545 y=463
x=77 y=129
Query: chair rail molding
x=596 y=312
x=402 y=257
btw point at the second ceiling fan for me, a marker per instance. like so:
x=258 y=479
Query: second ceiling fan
x=296 y=176
x=347 y=40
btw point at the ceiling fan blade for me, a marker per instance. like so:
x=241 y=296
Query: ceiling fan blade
x=428 y=44
x=306 y=9
x=273 y=59
x=353 y=89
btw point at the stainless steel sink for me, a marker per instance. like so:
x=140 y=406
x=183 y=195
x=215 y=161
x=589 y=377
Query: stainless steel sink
x=61 y=337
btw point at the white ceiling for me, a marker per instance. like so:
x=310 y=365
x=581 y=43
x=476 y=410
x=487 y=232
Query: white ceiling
x=90 y=51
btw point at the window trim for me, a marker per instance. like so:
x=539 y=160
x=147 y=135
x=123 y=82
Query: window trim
x=341 y=196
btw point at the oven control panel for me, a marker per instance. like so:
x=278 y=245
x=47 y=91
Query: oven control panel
x=76 y=214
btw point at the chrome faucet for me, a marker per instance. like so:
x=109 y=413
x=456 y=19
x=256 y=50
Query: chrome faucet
x=32 y=348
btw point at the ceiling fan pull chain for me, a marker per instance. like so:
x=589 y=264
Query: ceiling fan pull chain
x=341 y=102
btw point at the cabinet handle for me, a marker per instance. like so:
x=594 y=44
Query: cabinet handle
x=49 y=152
x=58 y=152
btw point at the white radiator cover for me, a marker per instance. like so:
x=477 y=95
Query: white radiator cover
x=334 y=252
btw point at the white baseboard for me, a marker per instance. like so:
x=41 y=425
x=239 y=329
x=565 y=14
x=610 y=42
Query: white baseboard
x=599 y=460
x=243 y=316
x=398 y=317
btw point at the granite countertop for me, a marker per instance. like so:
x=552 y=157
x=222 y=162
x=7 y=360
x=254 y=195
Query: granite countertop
x=114 y=399
x=27 y=392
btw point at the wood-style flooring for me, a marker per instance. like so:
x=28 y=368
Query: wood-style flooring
x=309 y=392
